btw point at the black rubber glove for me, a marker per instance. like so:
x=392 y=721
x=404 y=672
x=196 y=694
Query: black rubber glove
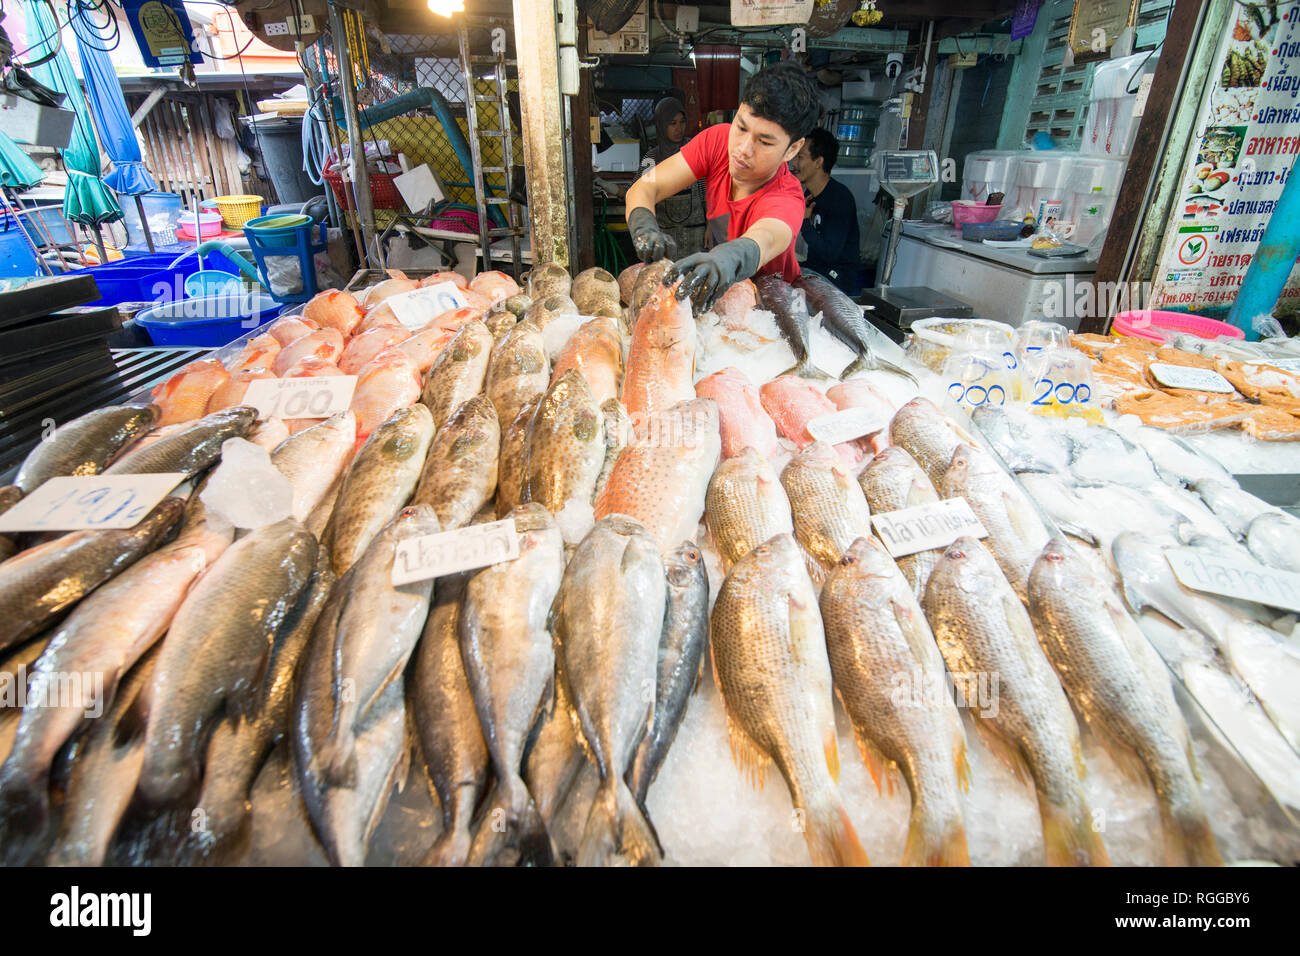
x=650 y=242
x=706 y=275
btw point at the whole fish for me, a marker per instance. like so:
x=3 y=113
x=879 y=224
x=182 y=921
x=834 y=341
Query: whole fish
x=595 y=350
x=769 y=661
x=928 y=435
x=893 y=481
x=566 y=445
x=499 y=322
x=743 y=420
x=627 y=280
x=829 y=509
x=1236 y=508
x=681 y=659
x=745 y=506
x=184 y=396
x=190 y=449
x=106 y=634
x=314 y=458
x=1176 y=461
x=1026 y=442
x=460 y=474
x=458 y=372
x=858 y=393
x=217 y=648
x=661 y=479
x=843 y=318
x=661 y=359
x=514 y=459
x=618 y=432
x=793 y=403
x=648 y=281
x=591 y=286
x=516 y=304
x=890 y=678
x=1274 y=538
x=543 y=311
x=10 y=495
x=380 y=480
x=1121 y=687
x=1016 y=533
x=547 y=279
x=607 y=623
x=386 y=383
x=105 y=767
x=510 y=665
x=985 y=634
x=518 y=371
x=790 y=307
x=240 y=744
x=736 y=302
x=450 y=736
x=85 y=445
x=39 y=585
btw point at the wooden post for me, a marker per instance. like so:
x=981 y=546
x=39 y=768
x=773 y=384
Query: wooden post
x=580 y=123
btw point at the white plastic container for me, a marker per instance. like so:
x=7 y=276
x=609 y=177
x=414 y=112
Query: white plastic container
x=1093 y=188
x=1043 y=176
x=988 y=171
x=1111 y=126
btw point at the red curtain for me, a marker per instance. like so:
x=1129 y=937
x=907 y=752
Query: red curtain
x=717 y=71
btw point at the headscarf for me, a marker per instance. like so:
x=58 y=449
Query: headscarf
x=666 y=111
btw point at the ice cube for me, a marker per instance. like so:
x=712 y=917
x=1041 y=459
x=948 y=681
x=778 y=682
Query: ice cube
x=558 y=331
x=575 y=519
x=246 y=490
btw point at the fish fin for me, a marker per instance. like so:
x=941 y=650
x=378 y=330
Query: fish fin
x=806 y=369
x=887 y=366
x=961 y=759
x=617 y=832
x=1080 y=532
x=337 y=762
x=1188 y=837
x=450 y=849
x=883 y=771
x=831 y=747
x=1022 y=527
x=935 y=842
x=863 y=363
x=815 y=571
x=911 y=622
x=511 y=831
x=1005 y=751
x=830 y=836
x=747 y=755
x=1068 y=841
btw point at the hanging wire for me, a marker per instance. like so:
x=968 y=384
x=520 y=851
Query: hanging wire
x=105 y=37
x=56 y=36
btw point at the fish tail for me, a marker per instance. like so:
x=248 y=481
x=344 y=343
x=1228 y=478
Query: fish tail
x=863 y=363
x=617 y=832
x=887 y=366
x=511 y=832
x=24 y=815
x=1188 y=833
x=831 y=838
x=936 y=838
x=450 y=849
x=806 y=369
x=1069 y=838
x=214 y=837
x=642 y=773
x=337 y=761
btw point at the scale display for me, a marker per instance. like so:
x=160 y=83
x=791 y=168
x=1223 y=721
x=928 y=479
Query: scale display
x=906 y=172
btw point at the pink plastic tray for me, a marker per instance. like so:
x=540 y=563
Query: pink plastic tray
x=1159 y=326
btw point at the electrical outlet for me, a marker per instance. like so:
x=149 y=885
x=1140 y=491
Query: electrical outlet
x=688 y=19
x=277 y=29
x=300 y=25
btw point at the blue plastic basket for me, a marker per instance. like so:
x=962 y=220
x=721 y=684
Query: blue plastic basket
x=142 y=279
x=209 y=322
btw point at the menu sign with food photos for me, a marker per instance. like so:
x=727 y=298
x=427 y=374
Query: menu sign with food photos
x=1248 y=136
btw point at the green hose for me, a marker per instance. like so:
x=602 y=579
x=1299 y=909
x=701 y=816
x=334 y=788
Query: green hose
x=608 y=254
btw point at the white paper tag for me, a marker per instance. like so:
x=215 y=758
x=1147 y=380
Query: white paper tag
x=1182 y=376
x=935 y=525
x=419 y=307
x=464 y=549
x=846 y=425
x=310 y=397
x=91 y=501
x=1235 y=578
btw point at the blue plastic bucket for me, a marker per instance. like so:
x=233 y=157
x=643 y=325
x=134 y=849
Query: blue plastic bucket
x=210 y=282
x=208 y=322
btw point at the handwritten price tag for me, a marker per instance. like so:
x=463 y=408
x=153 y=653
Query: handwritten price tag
x=1235 y=578
x=92 y=501
x=417 y=308
x=301 y=397
x=935 y=525
x=1181 y=376
x=464 y=549
x=844 y=426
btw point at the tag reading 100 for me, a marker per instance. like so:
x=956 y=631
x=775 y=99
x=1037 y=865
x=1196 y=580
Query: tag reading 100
x=301 y=397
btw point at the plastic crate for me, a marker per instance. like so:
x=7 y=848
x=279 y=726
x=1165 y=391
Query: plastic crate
x=138 y=279
x=383 y=194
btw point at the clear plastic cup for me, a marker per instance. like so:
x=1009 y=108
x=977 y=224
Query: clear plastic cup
x=1035 y=335
x=1057 y=381
x=978 y=377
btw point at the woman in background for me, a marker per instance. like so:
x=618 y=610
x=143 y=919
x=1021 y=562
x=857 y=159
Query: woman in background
x=681 y=216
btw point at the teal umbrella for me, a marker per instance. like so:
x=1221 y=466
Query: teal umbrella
x=17 y=169
x=87 y=200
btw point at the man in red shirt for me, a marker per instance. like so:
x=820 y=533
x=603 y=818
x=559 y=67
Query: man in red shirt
x=749 y=190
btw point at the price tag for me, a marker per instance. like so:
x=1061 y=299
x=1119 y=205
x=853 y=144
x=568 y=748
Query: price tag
x=845 y=426
x=1235 y=577
x=301 y=397
x=1181 y=376
x=464 y=549
x=935 y=525
x=419 y=307
x=91 y=501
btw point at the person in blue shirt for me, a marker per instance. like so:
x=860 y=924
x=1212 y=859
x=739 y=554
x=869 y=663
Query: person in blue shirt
x=830 y=220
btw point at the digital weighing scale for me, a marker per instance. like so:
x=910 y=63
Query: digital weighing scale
x=893 y=309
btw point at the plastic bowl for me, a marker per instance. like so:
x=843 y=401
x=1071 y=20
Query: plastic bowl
x=211 y=282
x=208 y=322
x=273 y=226
x=964 y=211
x=209 y=223
x=1159 y=326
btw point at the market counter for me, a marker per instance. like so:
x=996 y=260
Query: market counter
x=1008 y=285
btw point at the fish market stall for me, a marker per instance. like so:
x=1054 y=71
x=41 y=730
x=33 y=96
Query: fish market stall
x=649 y=508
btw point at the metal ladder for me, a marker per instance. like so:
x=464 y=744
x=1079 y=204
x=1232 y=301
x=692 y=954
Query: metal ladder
x=514 y=227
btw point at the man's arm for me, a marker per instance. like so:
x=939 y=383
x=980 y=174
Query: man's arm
x=773 y=237
x=666 y=179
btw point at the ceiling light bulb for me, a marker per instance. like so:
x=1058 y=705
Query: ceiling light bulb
x=445 y=8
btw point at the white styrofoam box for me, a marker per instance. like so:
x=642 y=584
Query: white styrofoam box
x=1111 y=125
x=988 y=171
x=1093 y=186
x=1089 y=173
x=619 y=158
x=1049 y=169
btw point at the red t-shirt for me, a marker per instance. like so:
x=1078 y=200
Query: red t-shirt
x=781 y=197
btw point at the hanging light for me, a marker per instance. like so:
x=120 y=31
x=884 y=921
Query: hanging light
x=445 y=8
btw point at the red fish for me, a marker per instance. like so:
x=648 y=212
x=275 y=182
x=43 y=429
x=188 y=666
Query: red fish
x=744 y=422
x=497 y=286
x=793 y=403
x=368 y=344
x=231 y=392
x=389 y=382
x=260 y=351
x=661 y=360
x=184 y=396
x=335 y=309
x=324 y=344
x=291 y=328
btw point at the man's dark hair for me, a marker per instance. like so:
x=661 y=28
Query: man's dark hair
x=823 y=145
x=786 y=95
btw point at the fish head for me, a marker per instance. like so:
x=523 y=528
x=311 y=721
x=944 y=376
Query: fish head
x=415 y=520
x=969 y=565
x=244 y=415
x=865 y=558
x=684 y=565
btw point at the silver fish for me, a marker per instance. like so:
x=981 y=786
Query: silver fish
x=85 y=445
x=190 y=449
